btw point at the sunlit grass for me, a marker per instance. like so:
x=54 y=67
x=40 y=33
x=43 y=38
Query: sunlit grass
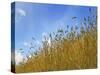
x=68 y=49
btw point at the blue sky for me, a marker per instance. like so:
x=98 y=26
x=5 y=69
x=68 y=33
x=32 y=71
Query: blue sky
x=36 y=20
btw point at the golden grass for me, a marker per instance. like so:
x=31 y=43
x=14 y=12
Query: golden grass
x=68 y=50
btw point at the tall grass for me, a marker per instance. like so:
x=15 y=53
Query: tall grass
x=71 y=48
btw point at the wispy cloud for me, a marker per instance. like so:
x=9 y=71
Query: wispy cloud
x=26 y=44
x=37 y=42
x=18 y=57
x=21 y=12
x=44 y=34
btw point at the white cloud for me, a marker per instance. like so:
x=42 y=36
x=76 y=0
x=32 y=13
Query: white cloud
x=26 y=44
x=44 y=34
x=21 y=12
x=18 y=57
x=37 y=42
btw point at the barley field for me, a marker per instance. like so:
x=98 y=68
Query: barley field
x=74 y=47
